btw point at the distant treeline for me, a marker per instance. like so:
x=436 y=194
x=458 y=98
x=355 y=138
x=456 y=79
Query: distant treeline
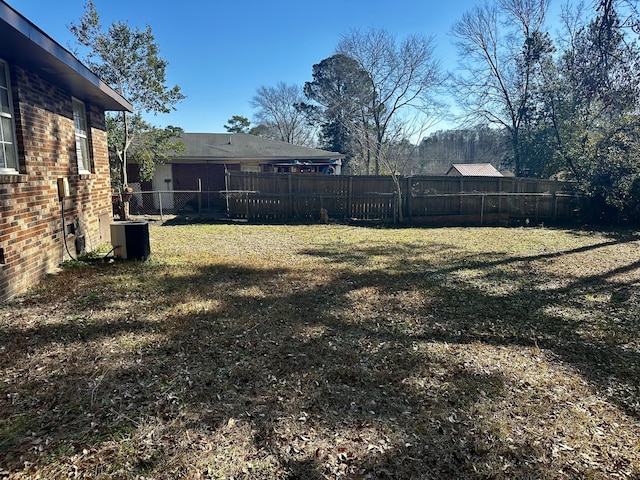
x=435 y=154
x=438 y=151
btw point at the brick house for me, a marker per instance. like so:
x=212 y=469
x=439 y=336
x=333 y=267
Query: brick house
x=52 y=139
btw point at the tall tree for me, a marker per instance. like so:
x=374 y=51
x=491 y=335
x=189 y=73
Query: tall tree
x=278 y=117
x=339 y=94
x=404 y=77
x=129 y=61
x=502 y=47
x=238 y=124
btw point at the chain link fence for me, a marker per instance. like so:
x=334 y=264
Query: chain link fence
x=159 y=205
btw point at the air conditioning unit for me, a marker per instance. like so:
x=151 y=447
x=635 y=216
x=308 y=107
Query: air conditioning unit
x=130 y=240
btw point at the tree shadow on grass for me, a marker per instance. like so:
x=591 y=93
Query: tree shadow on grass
x=337 y=378
x=509 y=307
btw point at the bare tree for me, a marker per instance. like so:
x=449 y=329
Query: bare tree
x=398 y=151
x=404 y=77
x=502 y=48
x=275 y=111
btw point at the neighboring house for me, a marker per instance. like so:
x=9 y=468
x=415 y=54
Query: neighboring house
x=207 y=156
x=52 y=139
x=473 y=170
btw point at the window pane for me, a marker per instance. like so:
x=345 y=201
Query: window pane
x=82 y=141
x=77 y=122
x=80 y=154
x=79 y=117
x=6 y=129
x=82 y=150
x=8 y=159
x=10 y=155
x=4 y=100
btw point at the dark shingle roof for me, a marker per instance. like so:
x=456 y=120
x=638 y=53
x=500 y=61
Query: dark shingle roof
x=240 y=146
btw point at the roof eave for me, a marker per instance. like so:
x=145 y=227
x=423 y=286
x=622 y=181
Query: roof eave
x=23 y=43
x=205 y=159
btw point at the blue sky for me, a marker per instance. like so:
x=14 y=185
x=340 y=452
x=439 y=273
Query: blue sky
x=219 y=53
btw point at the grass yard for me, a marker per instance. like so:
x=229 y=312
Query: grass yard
x=327 y=351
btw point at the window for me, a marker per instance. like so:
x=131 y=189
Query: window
x=82 y=137
x=8 y=157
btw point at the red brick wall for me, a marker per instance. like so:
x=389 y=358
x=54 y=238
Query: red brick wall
x=31 y=233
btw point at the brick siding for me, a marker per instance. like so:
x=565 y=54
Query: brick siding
x=31 y=233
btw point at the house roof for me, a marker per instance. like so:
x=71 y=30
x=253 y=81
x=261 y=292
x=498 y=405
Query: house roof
x=240 y=146
x=24 y=44
x=474 y=170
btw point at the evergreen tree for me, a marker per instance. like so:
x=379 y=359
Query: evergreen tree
x=238 y=124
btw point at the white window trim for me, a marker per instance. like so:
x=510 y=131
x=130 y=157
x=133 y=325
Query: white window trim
x=10 y=169
x=83 y=167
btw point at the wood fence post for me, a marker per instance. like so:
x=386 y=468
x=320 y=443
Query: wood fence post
x=395 y=205
x=290 y=196
x=160 y=205
x=407 y=196
x=227 y=182
x=350 y=196
x=555 y=200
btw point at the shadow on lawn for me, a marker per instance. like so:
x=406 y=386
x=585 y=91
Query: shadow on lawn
x=310 y=364
x=525 y=314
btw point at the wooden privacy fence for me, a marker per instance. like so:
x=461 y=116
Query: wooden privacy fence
x=259 y=196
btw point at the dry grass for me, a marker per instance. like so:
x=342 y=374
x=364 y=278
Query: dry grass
x=330 y=351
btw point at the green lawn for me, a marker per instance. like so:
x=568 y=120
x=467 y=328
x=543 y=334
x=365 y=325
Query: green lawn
x=330 y=351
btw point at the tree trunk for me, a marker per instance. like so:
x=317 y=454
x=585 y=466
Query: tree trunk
x=123 y=167
x=396 y=182
x=123 y=163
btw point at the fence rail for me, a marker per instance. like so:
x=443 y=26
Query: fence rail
x=267 y=197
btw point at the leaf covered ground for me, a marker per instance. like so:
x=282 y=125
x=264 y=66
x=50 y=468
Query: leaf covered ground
x=330 y=351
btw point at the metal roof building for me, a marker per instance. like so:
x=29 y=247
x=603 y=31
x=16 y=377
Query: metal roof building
x=473 y=170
